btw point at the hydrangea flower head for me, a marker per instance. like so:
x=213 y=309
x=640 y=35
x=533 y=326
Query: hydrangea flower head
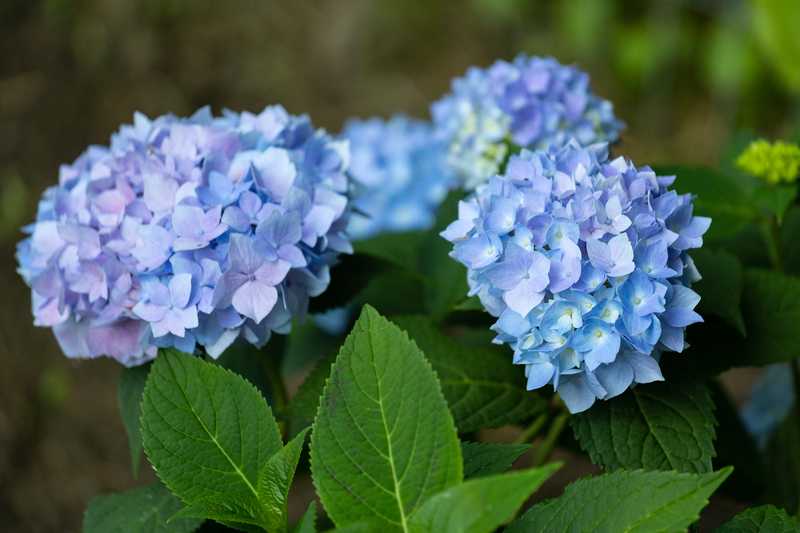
x=187 y=232
x=399 y=172
x=584 y=263
x=777 y=162
x=531 y=102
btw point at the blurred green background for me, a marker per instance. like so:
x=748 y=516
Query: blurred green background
x=684 y=76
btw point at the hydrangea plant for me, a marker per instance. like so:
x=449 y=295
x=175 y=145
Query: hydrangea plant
x=187 y=232
x=584 y=261
x=532 y=102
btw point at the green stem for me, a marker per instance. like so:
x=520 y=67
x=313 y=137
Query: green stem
x=543 y=451
x=532 y=430
x=271 y=360
x=772 y=234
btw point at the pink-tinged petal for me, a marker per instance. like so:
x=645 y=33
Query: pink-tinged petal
x=186 y=220
x=48 y=313
x=124 y=340
x=149 y=312
x=180 y=289
x=250 y=204
x=255 y=300
x=46 y=240
x=159 y=192
x=160 y=328
x=273 y=272
x=236 y=218
x=293 y=255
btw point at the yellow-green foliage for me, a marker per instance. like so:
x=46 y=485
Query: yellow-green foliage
x=773 y=162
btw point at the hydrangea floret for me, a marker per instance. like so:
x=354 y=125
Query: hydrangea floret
x=583 y=260
x=187 y=232
x=532 y=102
x=399 y=173
x=777 y=162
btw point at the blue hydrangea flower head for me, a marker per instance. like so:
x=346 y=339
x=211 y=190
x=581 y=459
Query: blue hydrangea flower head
x=532 y=102
x=399 y=173
x=187 y=232
x=584 y=262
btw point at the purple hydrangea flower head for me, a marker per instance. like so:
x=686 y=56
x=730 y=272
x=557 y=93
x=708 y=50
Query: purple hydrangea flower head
x=186 y=232
x=532 y=102
x=584 y=262
x=400 y=175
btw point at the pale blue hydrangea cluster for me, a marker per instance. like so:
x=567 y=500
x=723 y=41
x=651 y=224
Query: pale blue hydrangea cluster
x=399 y=173
x=583 y=260
x=532 y=102
x=187 y=232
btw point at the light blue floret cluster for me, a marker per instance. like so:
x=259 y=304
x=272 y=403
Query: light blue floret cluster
x=532 y=102
x=583 y=260
x=187 y=232
x=399 y=173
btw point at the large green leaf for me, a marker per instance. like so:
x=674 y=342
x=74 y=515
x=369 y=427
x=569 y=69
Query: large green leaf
x=143 y=510
x=662 y=426
x=763 y=519
x=771 y=307
x=479 y=505
x=482 y=386
x=129 y=397
x=383 y=440
x=630 y=501
x=274 y=482
x=721 y=286
x=209 y=434
x=488 y=458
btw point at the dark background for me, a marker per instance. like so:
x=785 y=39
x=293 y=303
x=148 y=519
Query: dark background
x=684 y=76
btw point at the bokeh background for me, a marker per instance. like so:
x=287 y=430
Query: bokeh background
x=684 y=75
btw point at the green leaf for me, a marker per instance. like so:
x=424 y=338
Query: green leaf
x=249 y=362
x=771 y=307
x=129 y=397
x=790 y=241
x=482 y=386
x=399 y=249
x=304 y=404
x=763 y=519
x=275 y=480
x=383 y=440
x=720 y=196
x=630 y=501
x=721 y=287
x=775 y=199
x=479 y=505
x=143 y=509
x=472 y=303
x=783 y=464
x=308 y=522
x=395 y=291
x=664 y=426
x=488 y=458
x=207 y=432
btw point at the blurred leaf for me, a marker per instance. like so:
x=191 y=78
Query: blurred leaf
x=636 y=501
x=394 y=292
x=488 y=458
x=775 y=199
x=771 y=307
x=718 y=195
x=303 y=406
x=482 y=386
x=790 y=241
x=721 y=286
x=775 y=23
x=735 y=447
x=582 y=24
x=256 y=364
x=129 y=397
x=143 y=509
x=479 y=505
x=783 y=464
x=308 y=522
x=400 y=249
x=763 y=519
x=731 y=61
x=352 y=274
x=306 y=345
x=663 y=426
